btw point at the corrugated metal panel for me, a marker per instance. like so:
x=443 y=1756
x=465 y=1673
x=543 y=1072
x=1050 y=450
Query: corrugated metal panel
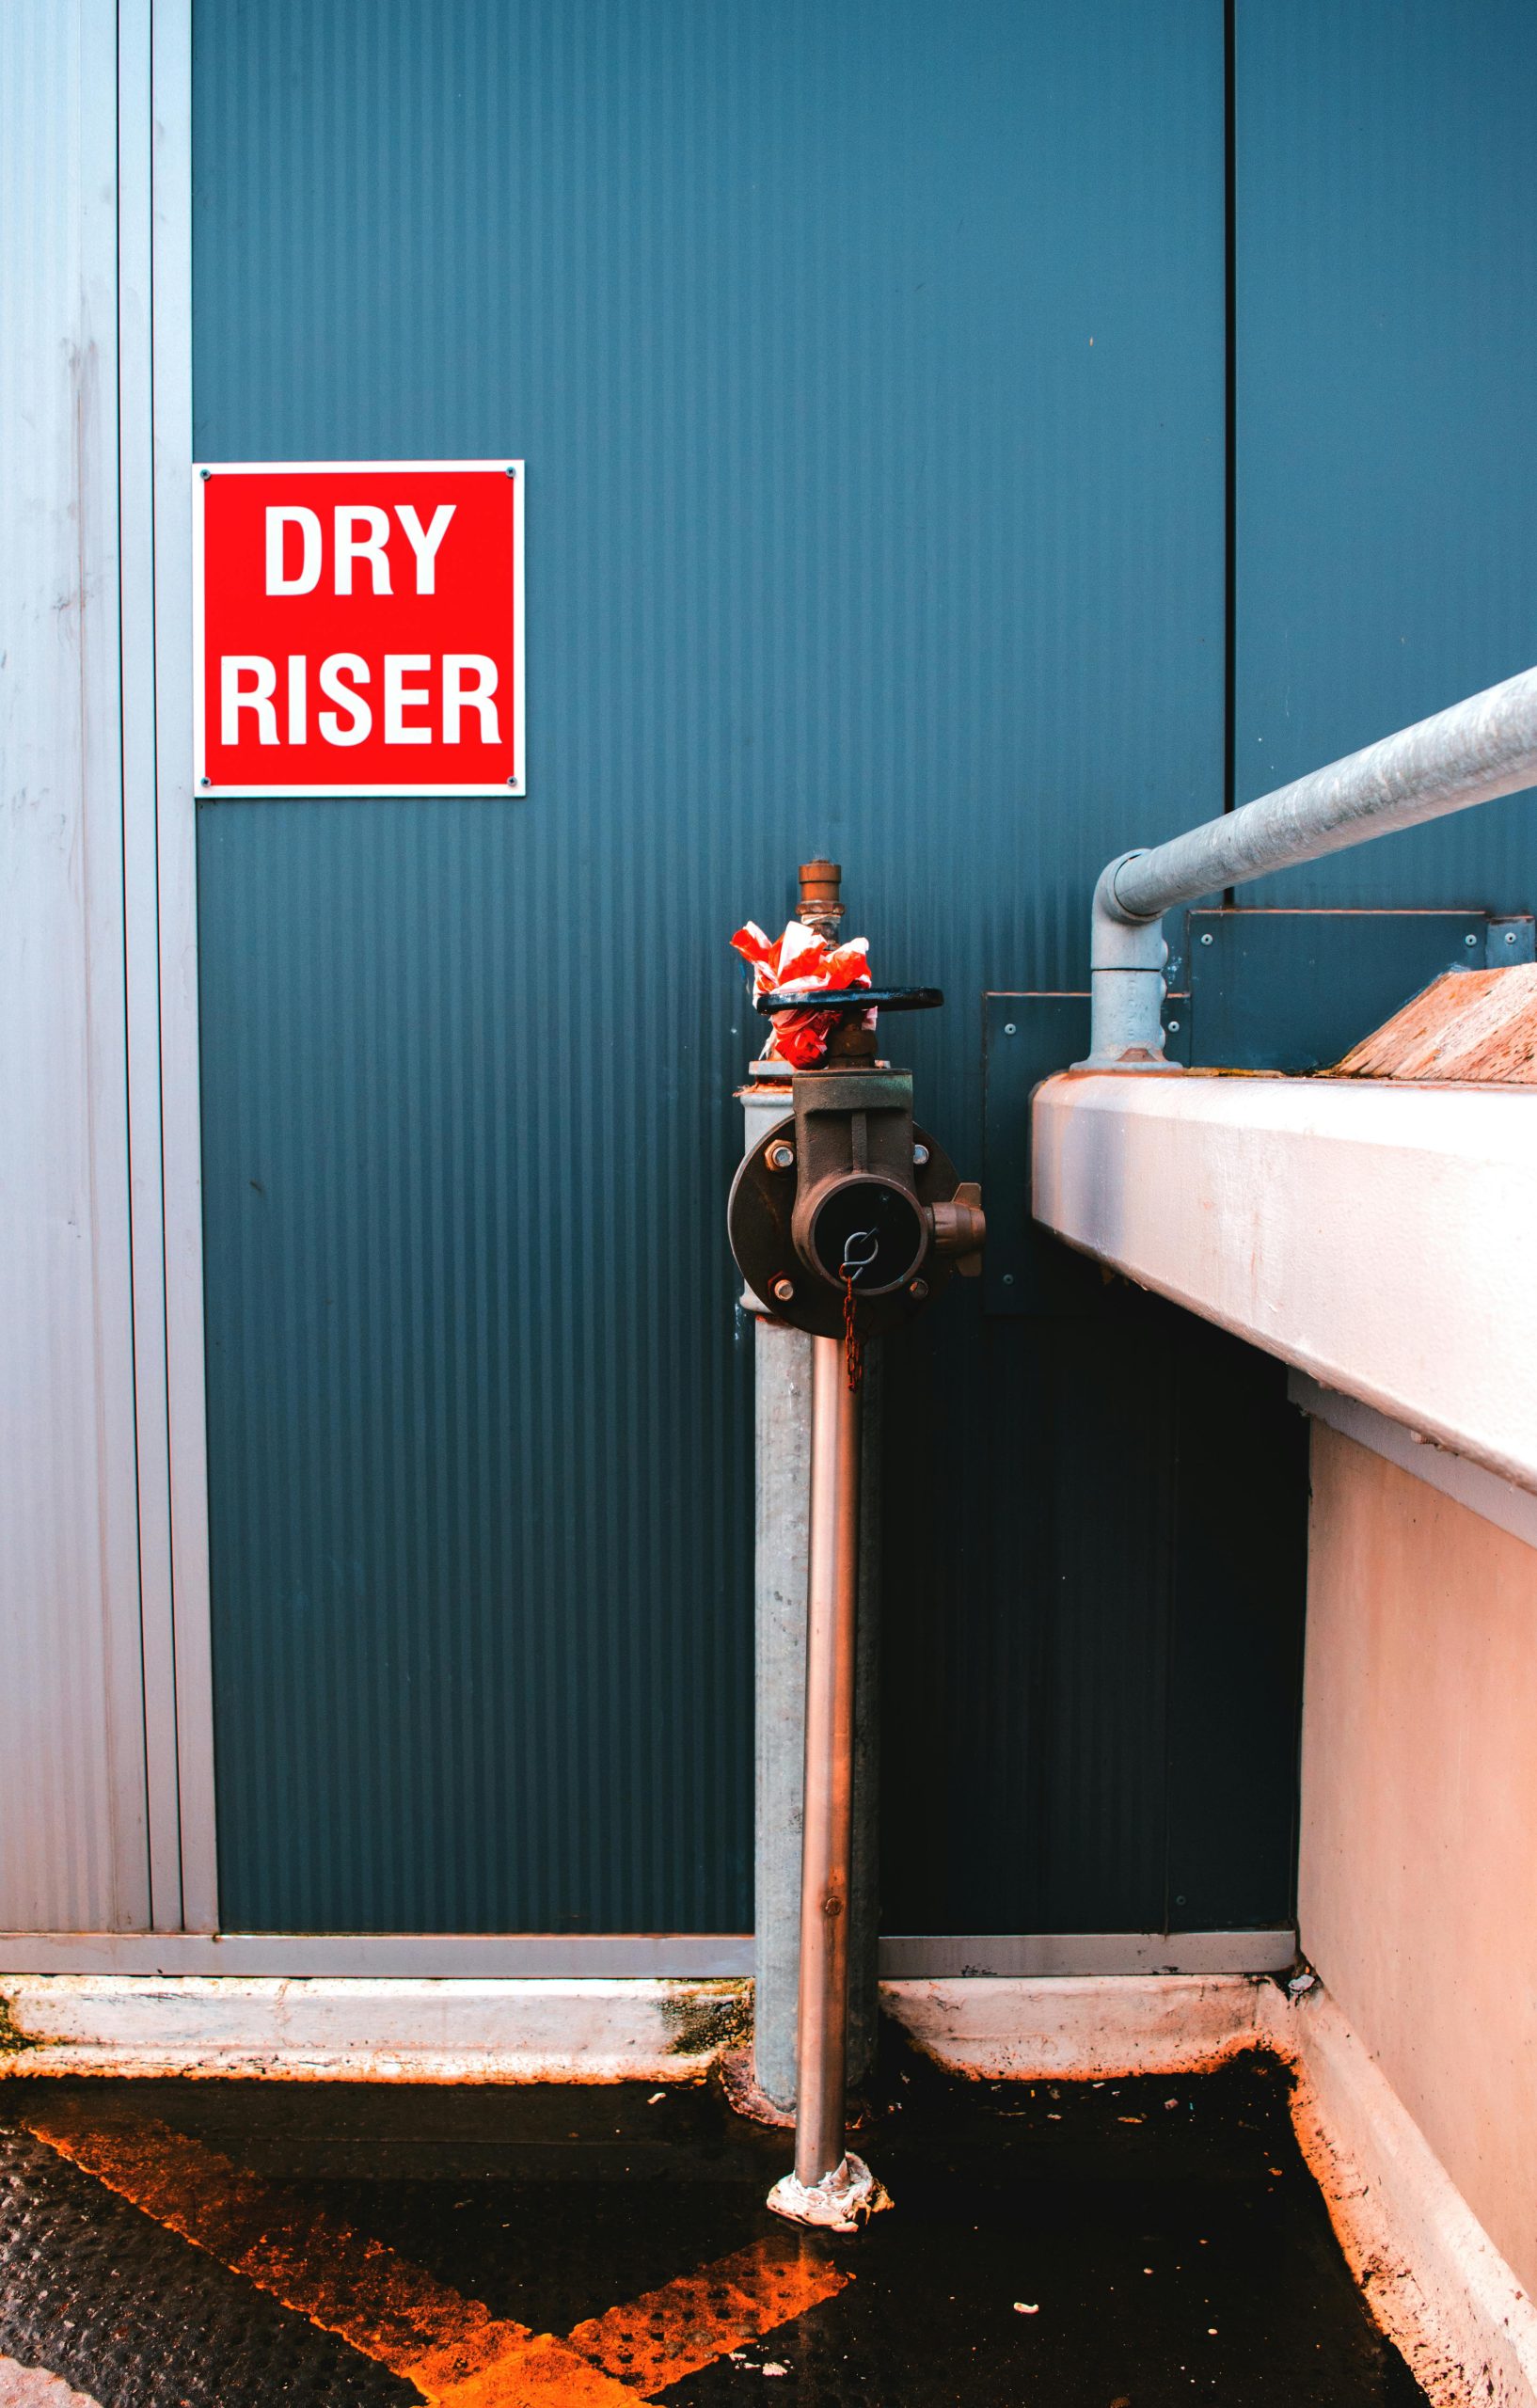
x=868 y=365
x=476 y=1406
x=1095 y=1553
x=73 y=1842
x=1386 y=226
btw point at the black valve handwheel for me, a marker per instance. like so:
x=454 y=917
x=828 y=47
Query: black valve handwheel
x=854 y=999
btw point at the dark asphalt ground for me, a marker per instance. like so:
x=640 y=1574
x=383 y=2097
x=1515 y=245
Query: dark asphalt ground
x=1163 y=2235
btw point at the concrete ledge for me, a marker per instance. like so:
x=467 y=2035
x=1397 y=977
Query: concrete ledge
x=369 y=2031
x=1374 y=1234
x=1045 y=2027
x=1494 y=1500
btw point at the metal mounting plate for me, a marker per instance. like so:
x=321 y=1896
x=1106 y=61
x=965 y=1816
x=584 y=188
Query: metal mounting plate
x=1294 y=991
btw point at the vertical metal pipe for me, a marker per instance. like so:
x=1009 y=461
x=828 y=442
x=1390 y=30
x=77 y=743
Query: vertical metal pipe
x=827 y=1829
x=782 y=1385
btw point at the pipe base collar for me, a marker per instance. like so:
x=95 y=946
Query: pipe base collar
x=840 y=2202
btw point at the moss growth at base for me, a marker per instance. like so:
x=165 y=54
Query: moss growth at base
x=705 y=2017
x=14 y=2040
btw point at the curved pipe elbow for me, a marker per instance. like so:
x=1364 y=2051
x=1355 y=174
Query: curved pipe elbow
x=1118 y=940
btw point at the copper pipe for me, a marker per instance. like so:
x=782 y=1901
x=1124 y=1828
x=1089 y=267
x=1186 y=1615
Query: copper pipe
x=828 y=1824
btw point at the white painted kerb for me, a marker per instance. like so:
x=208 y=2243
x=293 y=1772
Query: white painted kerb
x=369 y=2031
x=1376 y=1235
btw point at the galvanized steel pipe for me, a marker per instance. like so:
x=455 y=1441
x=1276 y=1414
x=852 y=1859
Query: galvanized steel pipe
x=782 y=1413
x=1478 y=749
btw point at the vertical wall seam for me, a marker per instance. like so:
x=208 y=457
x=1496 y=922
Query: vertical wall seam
x=1230 y=572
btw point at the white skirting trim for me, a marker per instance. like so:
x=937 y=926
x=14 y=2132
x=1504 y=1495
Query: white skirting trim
x=1436 y=2281
x=1026 y=2029
x=343 y=2029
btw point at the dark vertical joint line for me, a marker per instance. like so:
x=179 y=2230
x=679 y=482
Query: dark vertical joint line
x=1170 y=1571
x=1229 y=573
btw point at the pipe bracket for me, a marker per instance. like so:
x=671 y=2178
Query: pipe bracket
x=1126 y=981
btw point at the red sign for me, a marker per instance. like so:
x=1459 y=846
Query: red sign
x=358 y=627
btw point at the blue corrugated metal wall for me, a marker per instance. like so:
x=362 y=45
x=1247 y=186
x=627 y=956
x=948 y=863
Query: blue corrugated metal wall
x=1386 y=355
x=868 y=362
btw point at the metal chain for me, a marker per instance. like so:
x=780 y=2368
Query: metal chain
x=860 y=1248
x=853 y=1345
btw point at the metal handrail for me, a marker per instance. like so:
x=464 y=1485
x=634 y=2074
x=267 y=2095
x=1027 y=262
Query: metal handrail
x=1480 y=748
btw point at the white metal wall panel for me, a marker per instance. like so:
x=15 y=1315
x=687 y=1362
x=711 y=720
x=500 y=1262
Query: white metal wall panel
x=72 y=1832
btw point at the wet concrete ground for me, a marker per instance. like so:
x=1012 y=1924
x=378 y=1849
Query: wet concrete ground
x=1118 y=2245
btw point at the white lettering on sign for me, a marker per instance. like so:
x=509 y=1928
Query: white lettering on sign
x=466 y=681
x=399 y=697
x=458 y=667
x=332 y=670
x=299 y=697
x=425 y=545
x=278 y=522
x=349 y=546
x=235 y=697
x=369 y=546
